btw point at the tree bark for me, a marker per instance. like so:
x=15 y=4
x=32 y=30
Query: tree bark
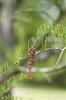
x=6 y=22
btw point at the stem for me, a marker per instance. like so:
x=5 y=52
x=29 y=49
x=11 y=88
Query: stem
x=60 y=56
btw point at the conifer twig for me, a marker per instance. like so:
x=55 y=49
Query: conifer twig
x=60 y=56
x=22 y=66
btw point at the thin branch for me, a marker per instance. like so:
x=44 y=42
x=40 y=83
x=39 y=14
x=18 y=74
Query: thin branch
x=60 y=56
x=43 y=70
x=39 y=40
x=8 y=73
x=22 y=64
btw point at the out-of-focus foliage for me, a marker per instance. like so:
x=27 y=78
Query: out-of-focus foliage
x=28 y=24
x=30 y=20
x=28 y=17
x=62 y=4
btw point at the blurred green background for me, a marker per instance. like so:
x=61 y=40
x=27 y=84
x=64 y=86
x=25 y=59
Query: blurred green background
x=31 y=19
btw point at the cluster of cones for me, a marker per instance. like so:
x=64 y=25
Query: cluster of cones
x=30 y=60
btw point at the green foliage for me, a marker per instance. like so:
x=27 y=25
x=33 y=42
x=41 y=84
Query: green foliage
x=28 y=26
x=56 y=39
x=61 y=4
x=57 y=35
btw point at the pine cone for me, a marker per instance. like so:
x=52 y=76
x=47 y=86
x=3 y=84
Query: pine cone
x=30 y=60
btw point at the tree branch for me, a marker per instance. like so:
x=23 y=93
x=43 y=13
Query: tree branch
x=60 y=56
x=21 y=65
x=39 y=40
x=41 y=70
x=21 y=62
x=44 y=70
